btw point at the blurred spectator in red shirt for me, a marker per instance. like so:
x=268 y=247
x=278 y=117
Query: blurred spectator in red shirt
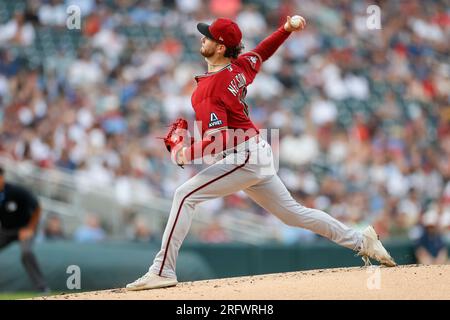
x=225 y=8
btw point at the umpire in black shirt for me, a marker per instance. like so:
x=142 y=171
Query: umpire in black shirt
x=19 y=219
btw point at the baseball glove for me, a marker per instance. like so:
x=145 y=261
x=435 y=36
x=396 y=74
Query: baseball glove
x=176 y=134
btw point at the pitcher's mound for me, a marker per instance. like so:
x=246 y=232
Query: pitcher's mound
x=403 y=282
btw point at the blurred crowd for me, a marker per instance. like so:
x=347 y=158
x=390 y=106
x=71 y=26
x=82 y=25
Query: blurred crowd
x=92 y=230
x=364 y=115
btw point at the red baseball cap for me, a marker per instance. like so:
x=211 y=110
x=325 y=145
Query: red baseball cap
x=222 y=30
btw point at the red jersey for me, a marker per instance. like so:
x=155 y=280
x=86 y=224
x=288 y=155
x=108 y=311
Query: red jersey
x=218 y=100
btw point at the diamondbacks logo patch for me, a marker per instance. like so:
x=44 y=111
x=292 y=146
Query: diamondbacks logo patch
x=214 y=120
x=253 y=61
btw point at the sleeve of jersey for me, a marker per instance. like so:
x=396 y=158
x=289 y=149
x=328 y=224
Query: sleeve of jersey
x=266 y=48
x=251 y=63
x=205 y=148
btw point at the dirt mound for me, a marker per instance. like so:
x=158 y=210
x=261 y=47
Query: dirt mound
x=403 y=282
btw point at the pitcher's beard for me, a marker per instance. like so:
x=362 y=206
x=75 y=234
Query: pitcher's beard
x=205 y=53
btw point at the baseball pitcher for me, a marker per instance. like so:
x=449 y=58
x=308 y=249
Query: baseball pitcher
x=244 y=160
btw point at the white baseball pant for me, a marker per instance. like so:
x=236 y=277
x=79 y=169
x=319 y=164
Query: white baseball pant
x=252 y=170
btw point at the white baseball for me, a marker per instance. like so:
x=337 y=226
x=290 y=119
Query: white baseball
x=295 y=21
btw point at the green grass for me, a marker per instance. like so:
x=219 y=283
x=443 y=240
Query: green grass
x=21 y=295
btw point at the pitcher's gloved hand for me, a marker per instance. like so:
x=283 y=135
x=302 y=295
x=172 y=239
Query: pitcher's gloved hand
x=177 y=133
x=175 y=140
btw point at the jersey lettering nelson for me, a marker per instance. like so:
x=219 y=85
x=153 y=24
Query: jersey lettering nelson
x=218 y=100
x=245 y=68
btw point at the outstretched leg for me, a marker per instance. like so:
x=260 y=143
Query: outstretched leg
x=272 y=195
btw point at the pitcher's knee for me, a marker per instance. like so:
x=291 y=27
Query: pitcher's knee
x=185 y=194
x=181 y=192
